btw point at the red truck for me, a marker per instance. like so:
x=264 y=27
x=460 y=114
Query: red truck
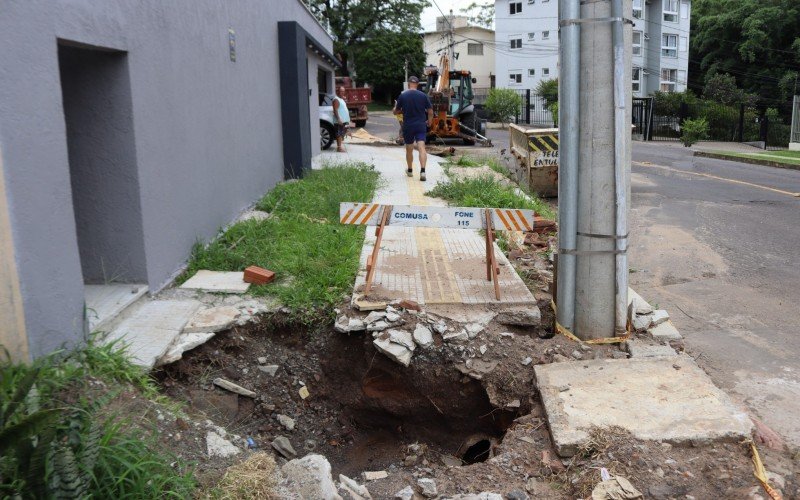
x=357 y=99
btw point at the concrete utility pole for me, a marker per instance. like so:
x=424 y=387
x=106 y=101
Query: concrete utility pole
x=603 y=172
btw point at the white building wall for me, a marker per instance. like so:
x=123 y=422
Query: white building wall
x=538 y=16
x=481 y=66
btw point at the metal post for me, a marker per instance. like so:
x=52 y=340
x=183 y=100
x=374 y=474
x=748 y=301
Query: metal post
x=740 y=135
x=596 y=279
x=569 y=141
x=528 y=106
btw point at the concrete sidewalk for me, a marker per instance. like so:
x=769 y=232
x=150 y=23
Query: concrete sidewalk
x=427 y=265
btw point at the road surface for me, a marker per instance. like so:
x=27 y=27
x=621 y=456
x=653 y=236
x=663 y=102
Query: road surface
x=717 y=244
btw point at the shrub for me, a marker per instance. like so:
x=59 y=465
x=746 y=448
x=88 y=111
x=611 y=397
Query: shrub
x=502 y=104
x=554 y=111
x=548 y=89
x=693 y=131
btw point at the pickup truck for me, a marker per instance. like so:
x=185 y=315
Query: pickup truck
x=357 y=99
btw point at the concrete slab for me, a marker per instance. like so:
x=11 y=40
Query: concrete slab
x=668 y=399
x=665 y=331
x=213 y=319
x=106 y=302
x=150 y=330
x=640 y=350
x=217 y=281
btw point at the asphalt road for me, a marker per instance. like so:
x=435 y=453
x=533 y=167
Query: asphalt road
x=717 y=244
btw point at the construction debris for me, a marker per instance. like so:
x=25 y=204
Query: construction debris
x=258 y=275
x=230 y=386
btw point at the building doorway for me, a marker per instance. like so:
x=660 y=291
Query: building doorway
x=95 y=86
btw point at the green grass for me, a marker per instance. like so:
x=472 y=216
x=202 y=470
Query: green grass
x=486 y=191
x=379 y=106
x=790 y=157
x=314 y=257
x=58 y=436
x=469 y=161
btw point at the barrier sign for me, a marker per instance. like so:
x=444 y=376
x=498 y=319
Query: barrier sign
x=489 y=219
x=370 y=214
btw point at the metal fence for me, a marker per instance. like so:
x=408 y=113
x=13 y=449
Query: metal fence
x=532 y=111
x=766 y=128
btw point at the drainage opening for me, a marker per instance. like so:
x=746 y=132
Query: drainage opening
x=364 y=412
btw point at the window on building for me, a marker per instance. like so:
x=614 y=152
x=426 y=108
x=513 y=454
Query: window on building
x=684 y=9
x=531 y=72
x=669 y=45
x=516 y=43
x=545 y=1
x=515 y=78
x=531 y=36
x=515 y=8
x=637 y=9
x=637 y=79
x=671 y=11
x=475 y=49
x=669 y=78
x=683 y=44
x=545 y=35
x=545 y=71
x=637 y=43
x=531 y=2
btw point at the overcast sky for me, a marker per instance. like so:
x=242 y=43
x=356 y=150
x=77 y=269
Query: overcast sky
x=430 y=13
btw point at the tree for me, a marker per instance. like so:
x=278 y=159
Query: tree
x=480 y=14
x=354 y=21
x=502 y=104
x=380 y=61
x=549 y=90
x=721 y=87
x=756 y=41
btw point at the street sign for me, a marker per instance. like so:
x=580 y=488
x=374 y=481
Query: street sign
x=369 y=214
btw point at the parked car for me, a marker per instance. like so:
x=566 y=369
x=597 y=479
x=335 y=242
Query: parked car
x=327 y=122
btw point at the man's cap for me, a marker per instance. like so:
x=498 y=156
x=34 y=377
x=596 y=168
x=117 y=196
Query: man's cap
x=413 y=79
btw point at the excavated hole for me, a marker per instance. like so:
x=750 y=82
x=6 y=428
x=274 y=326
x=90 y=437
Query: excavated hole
x=364 y=411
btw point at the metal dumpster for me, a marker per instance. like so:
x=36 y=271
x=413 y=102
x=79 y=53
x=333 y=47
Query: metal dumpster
x=536 y=151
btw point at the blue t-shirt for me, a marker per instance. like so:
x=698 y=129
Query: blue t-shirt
x=415 y=105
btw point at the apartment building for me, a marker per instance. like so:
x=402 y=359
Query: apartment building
x=473 y=46
x=526 y=51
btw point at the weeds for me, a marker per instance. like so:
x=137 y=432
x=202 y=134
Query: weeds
x=487 y=191
x=56 y=439
x=314 y=257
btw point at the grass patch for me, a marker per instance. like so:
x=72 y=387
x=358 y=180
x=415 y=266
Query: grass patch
x=789 y=157
x=314 y=257
x=486 y=191
x=469 y=161
x=58 y=440
x=379 y=106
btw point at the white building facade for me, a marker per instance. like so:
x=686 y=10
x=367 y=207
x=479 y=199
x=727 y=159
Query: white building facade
x=526 y=49
x=473 y=46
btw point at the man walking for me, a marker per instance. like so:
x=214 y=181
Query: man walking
x=342 y=116
x=417 y=113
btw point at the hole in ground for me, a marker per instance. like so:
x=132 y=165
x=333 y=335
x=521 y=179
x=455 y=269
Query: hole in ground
x=365 y=412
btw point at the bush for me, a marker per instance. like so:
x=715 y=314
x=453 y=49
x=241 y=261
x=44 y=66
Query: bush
x=548 y=89
x=502 y=104
x=693 y=131
x=554 y=111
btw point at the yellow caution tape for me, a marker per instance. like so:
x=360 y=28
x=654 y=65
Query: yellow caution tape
x=761 y=474
x=607 y=340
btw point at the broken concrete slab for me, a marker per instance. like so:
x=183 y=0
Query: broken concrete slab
x=213 y=319
x=151 y=329
x=374 y=316
x=182 y=343
x=218 y=446
x=529 y=316
x=659 y=316
x=217 y=281
x=270 y=370
x=230 y=386
x=640 y=306
x=423 y=336
x=660 y=399
x=363 y=304
x=282 y=445
x=640 y=350
x=396 y=352
x=348 y=325
x=310 y=477
x=476 y=368
x=473 y=329
x=665 y=331
x=641 y=322
x=456 y=337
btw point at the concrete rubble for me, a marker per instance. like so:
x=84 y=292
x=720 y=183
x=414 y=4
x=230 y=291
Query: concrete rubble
x=230 y=386
x=423 y=336
x=218 y=446
x=659 y=316
x=282 y=445
x=427 y=487
x=375 y=475
x=309 y=477
x=477 y=368
x=458 y=337
x=530 y=316
x=212 y=319
x=641 y=350
x=665 y=331
x=406 y=493
x=349 y=489
x=270 y=370
x=182 y=343
x=286 y=422
x=398 y=345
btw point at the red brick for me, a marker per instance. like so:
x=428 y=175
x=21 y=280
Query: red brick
x=258 y=275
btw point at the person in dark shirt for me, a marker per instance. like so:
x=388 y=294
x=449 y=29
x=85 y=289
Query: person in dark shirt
x=417 y=113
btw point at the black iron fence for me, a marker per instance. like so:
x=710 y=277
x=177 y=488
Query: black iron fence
x=767 y=128
x=533 y=109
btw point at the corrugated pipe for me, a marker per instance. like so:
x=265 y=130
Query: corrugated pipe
x=621 y=129
x=569 y=139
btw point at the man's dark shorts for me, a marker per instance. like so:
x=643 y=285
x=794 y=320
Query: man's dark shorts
x=414 y=133
x=341 y=130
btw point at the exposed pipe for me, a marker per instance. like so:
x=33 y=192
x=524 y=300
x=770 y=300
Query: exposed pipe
x=569 y=139
x=621 y=131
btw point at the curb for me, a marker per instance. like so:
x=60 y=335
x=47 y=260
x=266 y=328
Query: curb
x=754 y=161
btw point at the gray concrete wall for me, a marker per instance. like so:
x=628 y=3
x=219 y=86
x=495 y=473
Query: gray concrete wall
x=207 y=131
